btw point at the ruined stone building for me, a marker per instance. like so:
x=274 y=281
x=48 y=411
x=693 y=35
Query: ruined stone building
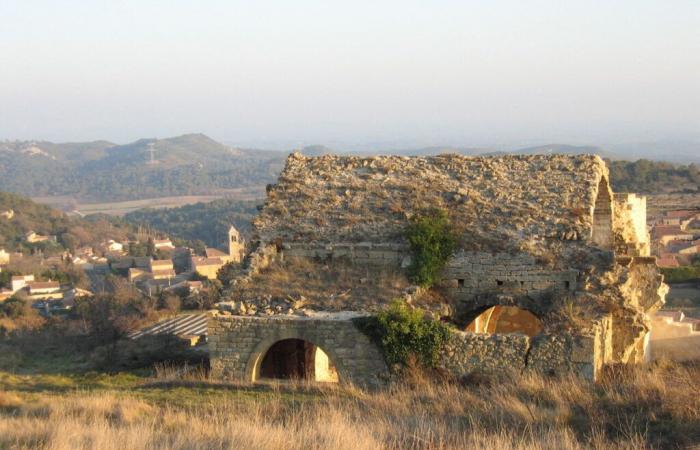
x=552 y=272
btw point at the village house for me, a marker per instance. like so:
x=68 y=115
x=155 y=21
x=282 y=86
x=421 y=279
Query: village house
x=681 y=218
x=7 y=214
x=209 y=265
x=34 y=238
x=536 y=233
x=161 y=269
x=206 y=267
x=44 y=289
x=163 y=244
x=663 y=234
x=18 y=282
x=127 y=262
x=667 y=262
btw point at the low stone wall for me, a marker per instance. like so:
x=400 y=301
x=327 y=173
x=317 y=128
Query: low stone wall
x=237 y=345
x=469 y=353
x=493 y=354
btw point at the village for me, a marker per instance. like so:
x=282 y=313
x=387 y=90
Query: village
x=53 y=283
x=676 y=237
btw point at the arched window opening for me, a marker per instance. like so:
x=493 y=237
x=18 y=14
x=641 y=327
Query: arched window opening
x=602 y=234
x=297 y=359
x=506 y=319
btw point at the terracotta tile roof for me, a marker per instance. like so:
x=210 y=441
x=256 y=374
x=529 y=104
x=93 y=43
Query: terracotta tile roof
x=214 y=252
x=667 y=262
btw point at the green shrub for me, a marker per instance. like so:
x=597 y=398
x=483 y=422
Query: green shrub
x=432 y=242
x=401 y=332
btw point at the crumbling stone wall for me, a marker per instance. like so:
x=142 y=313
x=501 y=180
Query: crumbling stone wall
x=473 y=280
x=602 y=235
x=630 y=225
x=388 y=255
x=237 y=345
x=471 y=353
x=537 y=232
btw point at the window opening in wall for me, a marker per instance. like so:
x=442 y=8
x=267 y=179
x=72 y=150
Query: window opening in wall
x=567 y=284
x=460 y=282
x=506 y=319
x=499 y=282
x=290 y=359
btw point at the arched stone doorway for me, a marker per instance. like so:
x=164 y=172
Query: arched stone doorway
x=506 y=319
x=297 y=359
x=239 y=344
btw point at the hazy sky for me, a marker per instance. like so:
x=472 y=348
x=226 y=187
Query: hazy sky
x=440 y=72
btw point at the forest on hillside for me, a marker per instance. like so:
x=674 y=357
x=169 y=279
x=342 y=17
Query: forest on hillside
x=206 y=222
x=70 y=232
x=653 y=177
x=148 y=168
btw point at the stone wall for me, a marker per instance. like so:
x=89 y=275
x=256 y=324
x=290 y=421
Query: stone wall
x=493 y=354
x=630 y=227
x=237 y=345
x=365 y=253
x=470 y=275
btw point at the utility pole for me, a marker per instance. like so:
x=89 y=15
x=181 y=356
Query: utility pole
x=152 y=152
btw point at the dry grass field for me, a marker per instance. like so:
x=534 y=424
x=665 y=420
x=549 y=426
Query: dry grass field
x=646 y=407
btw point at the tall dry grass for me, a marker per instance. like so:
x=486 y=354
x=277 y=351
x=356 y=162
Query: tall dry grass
x=635 y=409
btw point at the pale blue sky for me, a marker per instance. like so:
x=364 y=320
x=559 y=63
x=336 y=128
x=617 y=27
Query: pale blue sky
x=423 y=72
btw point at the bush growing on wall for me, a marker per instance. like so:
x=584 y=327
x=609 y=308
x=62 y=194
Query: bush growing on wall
x=402 y=332
x=432 y=242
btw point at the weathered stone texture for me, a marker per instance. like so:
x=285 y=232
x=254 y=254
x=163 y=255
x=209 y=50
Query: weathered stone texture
x=508 y=202
x=541 y=233
x=548 y=354
x=386 y=255
x=470 y=275
x=237 y=345
x=468 y=353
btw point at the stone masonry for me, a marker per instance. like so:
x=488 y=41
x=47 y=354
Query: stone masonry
x=545 y=234
x=237 y=345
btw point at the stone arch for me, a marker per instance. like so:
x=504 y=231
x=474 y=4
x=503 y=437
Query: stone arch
x=536 y=303
x=255 y=361
x=500 y=319
x=237 y=345
x=602 y=212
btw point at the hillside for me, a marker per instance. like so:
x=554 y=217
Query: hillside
x=195 y=164
x=650 y=177
x=70 y=232
x=100 y=171
x=207 y=222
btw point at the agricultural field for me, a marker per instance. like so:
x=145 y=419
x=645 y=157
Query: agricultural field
x=70 y=205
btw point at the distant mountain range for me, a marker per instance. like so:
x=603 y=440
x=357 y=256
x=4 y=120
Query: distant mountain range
x=678 y=152
x=195 y=164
